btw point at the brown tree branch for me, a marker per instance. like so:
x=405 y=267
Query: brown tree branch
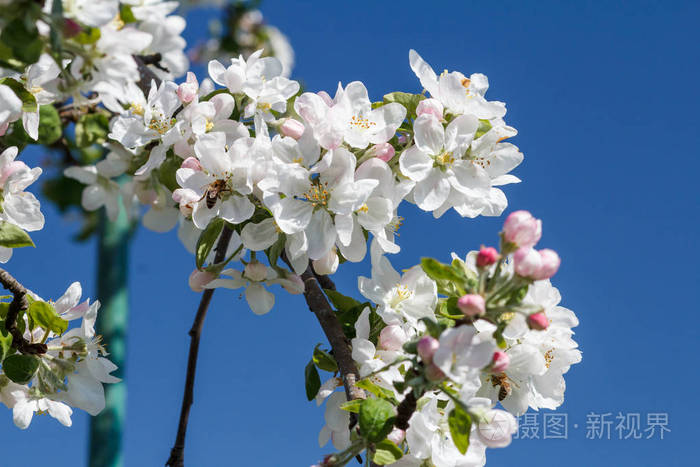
x=19 y=303
x=177 y=453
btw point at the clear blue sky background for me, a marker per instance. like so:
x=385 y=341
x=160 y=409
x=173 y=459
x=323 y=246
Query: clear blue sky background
x=605 y=99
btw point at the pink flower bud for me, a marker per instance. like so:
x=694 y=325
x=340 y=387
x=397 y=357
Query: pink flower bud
x=500 y=361
x=256 y=271
x=550 y=264
x=396 y=436
x=487 y=256
x=71 y=28
x=186 y=199
x=522 y=229
x=9 y=169
x=198 y=279
x=3 y=128
x=527 y=262
x=191 y=163
x=383 y=151
x=538 y=321
x=472 y=304
x=187 y=91
x=427 y=347
x=392 y=337
x=292 y=128
x=431 y=107
x=328 y=264
x=433 y=373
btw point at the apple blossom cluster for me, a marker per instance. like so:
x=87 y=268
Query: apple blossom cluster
x=44 y=367
x=439 y=346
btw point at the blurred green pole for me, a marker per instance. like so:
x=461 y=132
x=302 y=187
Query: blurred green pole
x=106 y=429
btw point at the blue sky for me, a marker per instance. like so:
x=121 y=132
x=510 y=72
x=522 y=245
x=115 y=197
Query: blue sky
x=603 y=96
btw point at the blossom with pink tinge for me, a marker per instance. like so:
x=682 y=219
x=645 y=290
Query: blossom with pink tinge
x=471 y=305
x=256 y=271
x=527 y=262
x=427 y=347
x=292 y=128
x=431 y=107
x=198 y=279
x=187 y=91
x=392 y=337
x=383 y=151
x=522 y=229
x=549 y=264
x=191 y=163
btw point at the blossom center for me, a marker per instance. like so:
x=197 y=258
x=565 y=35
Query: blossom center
x=318 y=194
x=361 y=123
x=400 y=294
x=446 y=159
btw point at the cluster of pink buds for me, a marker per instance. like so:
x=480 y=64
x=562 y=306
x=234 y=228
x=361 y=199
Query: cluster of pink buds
x=426 y=348
x=523 y=231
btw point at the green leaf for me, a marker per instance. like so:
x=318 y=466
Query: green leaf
x=352 y=406
x=126 y=14
x=438 y=271
x=410 y=101
x=5 y=341
x=386 y=452
x=378 y=391
x=342 y=302
x=23 y=38
x=88 y=35
x=20 y=368
x=91 y=129
x=50 y=127
x=312 y=380
x=45 y=316
x=27 y=98
x=376 y=419
x=324 y=360
x=206 y=240
x=484 y=127
x=12 y=236
x=460 y=426
x=433 y=328
x=273 y=253
x=167 y=171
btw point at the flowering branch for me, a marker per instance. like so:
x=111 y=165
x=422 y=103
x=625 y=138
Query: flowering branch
x=177 y=453
x=19 y=303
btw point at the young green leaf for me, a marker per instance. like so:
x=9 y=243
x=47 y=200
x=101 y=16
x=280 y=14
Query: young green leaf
x=386 y=452
x=376 y=419
x=460 y=424
x=341 y=302
x=206 y=240
x=50 y=127
x=378 y=391
x=438 y=271
x=352 y=406
x=324 y=361
x=46 y=317
x=5 y=341
x=12 y=236
x=20 y=368
x=312 y=380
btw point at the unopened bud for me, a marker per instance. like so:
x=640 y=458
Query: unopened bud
x=328 y=264
x=71 y=28
x=383 y=151
x=433 y=373
x=198 y=279
x=500 y=361
x=538 y=321
x=187 y=91
x=3 y=128
x=426 y=348
x=430 y=107
x=256 y=271
x=527 y=262
x=396 y=436
x=392 y=337
x=487 y=256
x=549 y=264
x=471 y=305
x=522 y=229
x=191 y=163
x=292 y=128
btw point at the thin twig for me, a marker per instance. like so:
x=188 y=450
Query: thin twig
x=177 y=453
x=19 y=303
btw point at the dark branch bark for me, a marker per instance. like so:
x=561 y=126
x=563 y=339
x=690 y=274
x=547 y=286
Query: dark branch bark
x=19 y=303
x=177 y=453
x=147 y=75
